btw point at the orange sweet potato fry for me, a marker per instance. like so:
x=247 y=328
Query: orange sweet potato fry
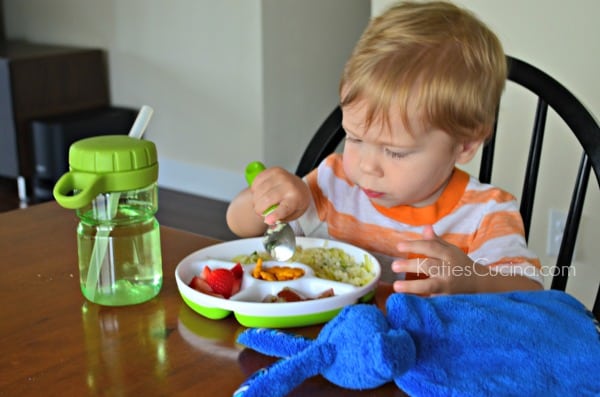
x=276 y=273
x=257 y=269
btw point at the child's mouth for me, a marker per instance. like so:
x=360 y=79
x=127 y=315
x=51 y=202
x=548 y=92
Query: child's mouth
x=372 y=194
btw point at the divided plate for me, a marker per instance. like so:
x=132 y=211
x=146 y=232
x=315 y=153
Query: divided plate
x=247 y=305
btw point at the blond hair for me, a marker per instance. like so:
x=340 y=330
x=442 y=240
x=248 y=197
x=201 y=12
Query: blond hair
x=436 y=53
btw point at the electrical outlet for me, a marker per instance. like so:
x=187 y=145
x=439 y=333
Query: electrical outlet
x=556 y=228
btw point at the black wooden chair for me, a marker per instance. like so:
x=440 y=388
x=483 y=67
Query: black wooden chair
x=550 y=93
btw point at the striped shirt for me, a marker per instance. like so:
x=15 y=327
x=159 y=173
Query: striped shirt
x=482 y=220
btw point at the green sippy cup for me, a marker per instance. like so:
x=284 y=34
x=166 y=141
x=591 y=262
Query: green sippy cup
x=112 y=185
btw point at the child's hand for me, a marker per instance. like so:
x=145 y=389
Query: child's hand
x=448 y=268
x=278 y=186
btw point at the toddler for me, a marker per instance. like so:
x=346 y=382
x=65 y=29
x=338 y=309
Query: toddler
x=418 y=96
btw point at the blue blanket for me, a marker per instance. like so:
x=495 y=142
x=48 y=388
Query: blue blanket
x=520 y=344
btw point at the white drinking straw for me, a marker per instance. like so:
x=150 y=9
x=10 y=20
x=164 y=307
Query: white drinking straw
x=109 y=211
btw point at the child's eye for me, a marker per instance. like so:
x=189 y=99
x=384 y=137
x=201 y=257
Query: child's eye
x=395 y=155
x=352 y=139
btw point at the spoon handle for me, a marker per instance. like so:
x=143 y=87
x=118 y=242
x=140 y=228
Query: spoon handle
x=252 y=170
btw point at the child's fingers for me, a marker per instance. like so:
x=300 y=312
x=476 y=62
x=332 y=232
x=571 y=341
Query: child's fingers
x=272 y=206
x=431 y=245
x=279 y=213
x=271 y=219
x=406 y=266
x=428 y=248
x=425 y=287
x=428 y=233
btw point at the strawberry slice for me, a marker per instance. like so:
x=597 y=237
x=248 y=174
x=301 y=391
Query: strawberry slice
x=221 y=281
x=199 y=284
x=237 y=271
x=237 y=285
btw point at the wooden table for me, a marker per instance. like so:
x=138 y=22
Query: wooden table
x=54 y=342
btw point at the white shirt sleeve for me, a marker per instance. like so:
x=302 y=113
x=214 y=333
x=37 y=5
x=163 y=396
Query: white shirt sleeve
x=309 y=224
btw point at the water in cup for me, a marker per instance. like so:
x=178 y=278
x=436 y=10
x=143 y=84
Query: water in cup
x=130 y=259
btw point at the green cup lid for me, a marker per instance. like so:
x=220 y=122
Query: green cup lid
x=111 y=154
x=103 y=164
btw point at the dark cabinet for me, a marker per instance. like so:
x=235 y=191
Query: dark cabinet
x=39 y=81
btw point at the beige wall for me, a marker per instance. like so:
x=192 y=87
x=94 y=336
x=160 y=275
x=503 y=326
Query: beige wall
x=237 y=80
x=230 y=81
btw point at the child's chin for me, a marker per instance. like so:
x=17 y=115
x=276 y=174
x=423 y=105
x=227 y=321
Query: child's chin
x=382 y=202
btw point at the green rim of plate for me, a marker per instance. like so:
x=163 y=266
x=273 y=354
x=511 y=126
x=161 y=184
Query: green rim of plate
x=214 y=313
x=300 y=320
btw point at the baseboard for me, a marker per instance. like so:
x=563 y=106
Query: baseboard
x=195 y=179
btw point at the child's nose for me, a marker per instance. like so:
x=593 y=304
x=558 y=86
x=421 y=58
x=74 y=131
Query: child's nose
x=369 y=161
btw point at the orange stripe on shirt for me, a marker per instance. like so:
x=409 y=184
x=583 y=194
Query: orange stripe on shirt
x=484 y=196
x=430 y=214
x=490 y=227
x=368 y=236
x=317 y=195
x=515 y=260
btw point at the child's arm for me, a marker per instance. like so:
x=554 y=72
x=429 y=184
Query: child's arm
x=450 y=270
x=241 y=217
x=272 y=186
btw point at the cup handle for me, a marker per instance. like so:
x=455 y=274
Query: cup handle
x=87 y=186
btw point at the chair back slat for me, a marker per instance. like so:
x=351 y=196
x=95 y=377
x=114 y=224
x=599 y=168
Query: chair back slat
x=533 y=164
x=596 y=308
x=567 y=244
x=487 y=154
x=325 y=141
x=581 y=122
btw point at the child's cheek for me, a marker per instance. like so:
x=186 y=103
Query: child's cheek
x=350 y=163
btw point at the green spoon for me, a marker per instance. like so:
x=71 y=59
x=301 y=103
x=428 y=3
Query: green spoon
x=279 y=239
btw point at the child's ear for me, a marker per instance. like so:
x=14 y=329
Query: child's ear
x=466 y=150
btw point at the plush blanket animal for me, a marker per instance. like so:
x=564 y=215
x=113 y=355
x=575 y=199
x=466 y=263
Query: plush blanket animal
x=520 y=344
